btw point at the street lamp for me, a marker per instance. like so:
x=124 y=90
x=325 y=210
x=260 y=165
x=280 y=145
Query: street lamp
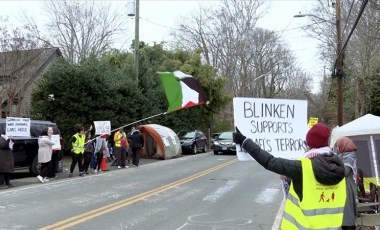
x=313 y=16
x=338 y=72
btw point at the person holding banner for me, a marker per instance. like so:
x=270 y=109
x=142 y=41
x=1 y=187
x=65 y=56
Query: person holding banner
x=6 y=161
x=318 y=187
x=45 y=152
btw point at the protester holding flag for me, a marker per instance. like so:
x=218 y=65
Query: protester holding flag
x=317 y=181
x=137 y=143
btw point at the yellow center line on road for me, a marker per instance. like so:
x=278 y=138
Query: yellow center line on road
x=75 y=220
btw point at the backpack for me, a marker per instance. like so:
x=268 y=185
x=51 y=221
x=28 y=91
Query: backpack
x=123 y=142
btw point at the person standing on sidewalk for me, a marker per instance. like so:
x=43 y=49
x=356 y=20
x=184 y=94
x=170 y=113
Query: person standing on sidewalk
x=88 y=150
x=77 y=143
x=6 y=161
x=137 y=143
x=100 y=151
x=346 y=150
x=45 y=152
x=120 y=139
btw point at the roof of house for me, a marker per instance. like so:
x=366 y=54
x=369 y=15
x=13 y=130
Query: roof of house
x=20 y=69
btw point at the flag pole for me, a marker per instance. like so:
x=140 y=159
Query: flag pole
x=160 y=114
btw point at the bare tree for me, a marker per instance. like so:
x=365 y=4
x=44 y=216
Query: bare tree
x=79 y=28
x=253 y=60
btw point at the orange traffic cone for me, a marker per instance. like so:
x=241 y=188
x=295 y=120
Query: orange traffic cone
x=103 y=164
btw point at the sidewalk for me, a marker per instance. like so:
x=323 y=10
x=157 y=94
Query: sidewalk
x=25 y=177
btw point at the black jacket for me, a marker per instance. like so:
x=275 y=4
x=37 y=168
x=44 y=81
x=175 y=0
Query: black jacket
x=328 y=168
x=137 y=140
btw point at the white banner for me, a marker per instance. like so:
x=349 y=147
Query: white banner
x=18 y=127
x=277 y=126
x=57 y=142
x=102 y=127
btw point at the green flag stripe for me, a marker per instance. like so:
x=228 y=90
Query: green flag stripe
x=173 y=90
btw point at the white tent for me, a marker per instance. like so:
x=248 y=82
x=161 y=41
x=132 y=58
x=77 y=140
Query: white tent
x=367 y=124
x=365 y=132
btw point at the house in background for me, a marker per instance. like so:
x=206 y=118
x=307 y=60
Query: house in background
x=20 y=72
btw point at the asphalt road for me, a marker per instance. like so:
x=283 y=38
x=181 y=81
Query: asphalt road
x=201 y=191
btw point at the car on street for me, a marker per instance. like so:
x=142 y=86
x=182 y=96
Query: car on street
x=213 y=137
x=192 y=141
x=224 y=143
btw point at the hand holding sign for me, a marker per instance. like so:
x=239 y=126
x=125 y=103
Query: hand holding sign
x=239 y=138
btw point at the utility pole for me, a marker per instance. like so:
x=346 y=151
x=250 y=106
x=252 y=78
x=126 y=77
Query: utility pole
x=137 y=17
x=339 y=64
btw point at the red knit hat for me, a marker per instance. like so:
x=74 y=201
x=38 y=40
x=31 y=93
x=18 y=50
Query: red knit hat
x=318 y=136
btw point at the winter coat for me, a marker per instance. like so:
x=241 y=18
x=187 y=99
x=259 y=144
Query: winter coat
x=328 y=167
x=6 y=156
x=137 y=139
x=44 y=149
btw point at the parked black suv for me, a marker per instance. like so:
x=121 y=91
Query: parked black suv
x=192 y=141
x=25 y=149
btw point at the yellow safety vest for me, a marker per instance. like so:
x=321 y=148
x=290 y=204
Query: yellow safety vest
x=117 y=138
x=78 y=145
x=321 y=207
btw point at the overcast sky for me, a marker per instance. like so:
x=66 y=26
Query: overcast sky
x=158 y=18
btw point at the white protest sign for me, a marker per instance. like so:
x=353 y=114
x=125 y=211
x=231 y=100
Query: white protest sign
x=57 y=142
x=278 y=126
x=102 y=127
x=17 y=127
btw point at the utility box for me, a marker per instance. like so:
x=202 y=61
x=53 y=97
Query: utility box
x=131 y=9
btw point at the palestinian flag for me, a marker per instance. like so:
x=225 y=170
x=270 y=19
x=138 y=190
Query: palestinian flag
x=182 y=90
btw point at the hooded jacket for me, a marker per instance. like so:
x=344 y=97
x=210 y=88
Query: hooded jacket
x=328 y=168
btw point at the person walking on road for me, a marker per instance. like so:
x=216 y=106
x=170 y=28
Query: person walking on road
x=45 y=152
x=320 y=173
x=6 y=161
x=77 y=143
x=137 y=143
x=346 y=150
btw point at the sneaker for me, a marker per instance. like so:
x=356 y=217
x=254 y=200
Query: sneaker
x=4 y=186
x=82 y=174
x=40 y=179
x=70 y=175
x=119 y=167
x=95 y=171
x=46 y=179
x=126 y=166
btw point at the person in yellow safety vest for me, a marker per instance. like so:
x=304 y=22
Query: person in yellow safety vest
x=121 y=145
x=317 y=192
x=77 y=143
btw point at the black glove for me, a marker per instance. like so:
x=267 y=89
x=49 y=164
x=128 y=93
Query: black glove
x=238 y=137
